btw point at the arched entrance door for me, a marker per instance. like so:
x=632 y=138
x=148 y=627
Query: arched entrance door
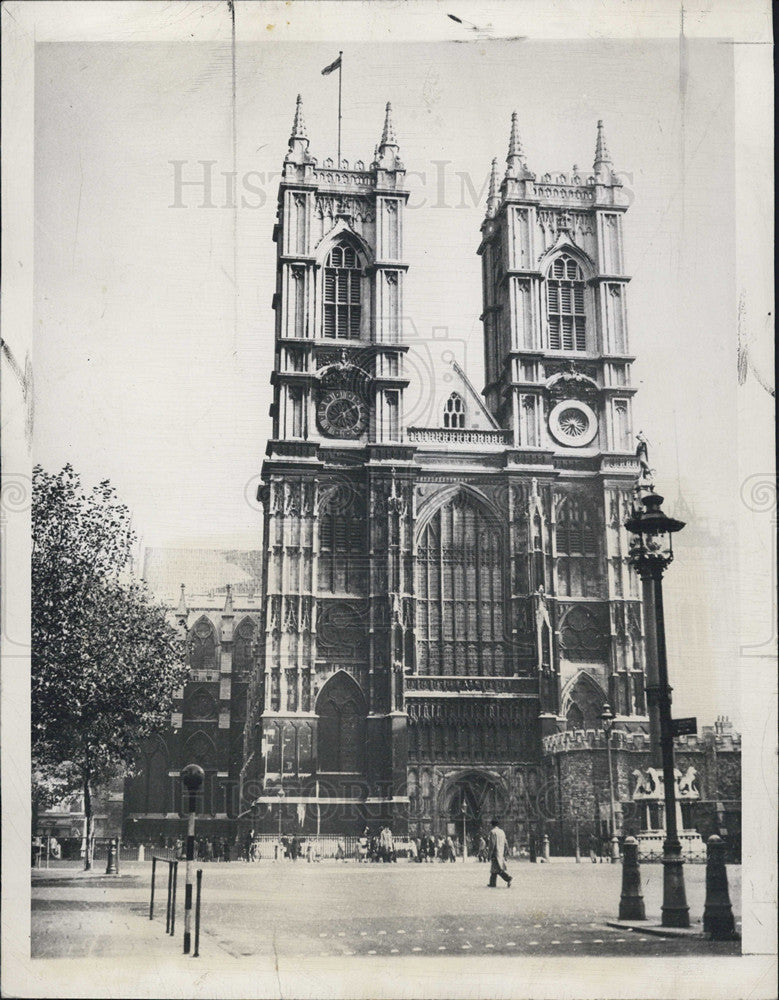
x=341 y=738
x=483 y=799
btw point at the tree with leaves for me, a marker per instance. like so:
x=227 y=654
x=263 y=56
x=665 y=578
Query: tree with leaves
x=105 y=659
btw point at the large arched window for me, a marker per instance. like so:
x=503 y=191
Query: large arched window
x=243 y=641
x=565 y=306
x=460 y=592
x=342 y=560
x=342 y=294
x=577 y=549
x=341 y=740
x=202 y=646
x=454 y=411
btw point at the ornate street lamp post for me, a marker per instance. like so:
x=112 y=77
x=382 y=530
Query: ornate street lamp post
x=651 y=552
x=607 y=722
x=464 y=811
x=192 y=778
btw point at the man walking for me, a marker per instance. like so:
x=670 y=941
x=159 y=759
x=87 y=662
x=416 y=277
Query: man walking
x=498 y=856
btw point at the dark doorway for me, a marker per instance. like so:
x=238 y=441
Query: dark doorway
x=341 y=742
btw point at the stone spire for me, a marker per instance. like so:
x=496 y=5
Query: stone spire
x=228 y=608
x=602 y=165
x=182 y=611
x=387 y=153
x=515 y=161
x=298 y=140
x=493 y=196
x=299 y=126
x=388 y=134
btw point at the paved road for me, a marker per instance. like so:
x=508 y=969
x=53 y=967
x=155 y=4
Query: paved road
x=335 y=910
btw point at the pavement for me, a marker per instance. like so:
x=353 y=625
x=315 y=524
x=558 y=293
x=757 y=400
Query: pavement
x=297 y=911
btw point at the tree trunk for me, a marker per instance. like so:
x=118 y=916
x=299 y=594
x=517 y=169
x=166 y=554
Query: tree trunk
x=89 y=822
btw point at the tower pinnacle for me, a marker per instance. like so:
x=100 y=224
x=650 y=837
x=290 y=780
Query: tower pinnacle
x=299 y=126
x=387 y=154
x=298 y=153
x=388 y=134
x=515 y=161
x=602 y=163
x=493 y=195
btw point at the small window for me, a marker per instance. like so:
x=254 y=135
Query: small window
x=565 y=306
x=454 y=411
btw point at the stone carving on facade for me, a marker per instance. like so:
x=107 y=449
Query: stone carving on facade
x=291 y=501
x=649 y=784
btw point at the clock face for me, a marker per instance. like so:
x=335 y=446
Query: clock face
x=342 y=413
x=573 y=423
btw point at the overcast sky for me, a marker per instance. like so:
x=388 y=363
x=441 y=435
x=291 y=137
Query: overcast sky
x=152 y=354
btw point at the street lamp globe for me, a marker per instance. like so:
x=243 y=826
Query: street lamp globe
x=651 y=547
x=606 y=718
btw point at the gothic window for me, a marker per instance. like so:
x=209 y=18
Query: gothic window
x=454 y=411
x=202 y=650
x=242 y=646
x=342 y=294
x=341 y=737
x=577 y=550
x=460 y=570
x=342 y=544
x=584 y=703
x=565 y=306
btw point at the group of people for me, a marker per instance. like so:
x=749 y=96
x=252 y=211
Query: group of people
x=377 y=846
x=431 y=848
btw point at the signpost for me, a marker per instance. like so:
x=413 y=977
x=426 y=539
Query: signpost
x=684 y=727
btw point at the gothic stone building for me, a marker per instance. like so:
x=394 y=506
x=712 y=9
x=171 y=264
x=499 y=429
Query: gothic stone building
x=439 y=600
x=218 y=613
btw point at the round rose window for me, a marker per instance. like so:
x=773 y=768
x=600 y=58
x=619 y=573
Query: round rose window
x=573 y=424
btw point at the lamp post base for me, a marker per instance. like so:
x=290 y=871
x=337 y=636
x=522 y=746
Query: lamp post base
x=614 y=849
x=675 y=911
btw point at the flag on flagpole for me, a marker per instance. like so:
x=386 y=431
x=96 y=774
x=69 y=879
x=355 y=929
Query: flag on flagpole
x=334 y=65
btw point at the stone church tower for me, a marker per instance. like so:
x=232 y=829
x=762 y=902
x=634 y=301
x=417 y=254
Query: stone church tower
x=440 y=599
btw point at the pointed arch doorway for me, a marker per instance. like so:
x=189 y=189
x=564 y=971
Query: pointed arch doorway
x=341 y=734
x=483 y=799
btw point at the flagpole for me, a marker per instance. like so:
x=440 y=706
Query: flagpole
x=340 y=65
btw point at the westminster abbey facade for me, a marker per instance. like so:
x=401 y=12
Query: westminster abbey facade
x=438 y=601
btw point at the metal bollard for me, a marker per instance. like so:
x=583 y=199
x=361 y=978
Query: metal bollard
x=717 y=913
x=199 y=880
x=153 y=874
x=110 y=866
x=170 y=886
x=173 y=904
x=631 y=902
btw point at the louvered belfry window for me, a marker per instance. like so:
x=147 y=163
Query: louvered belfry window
x=341 y=319
x=565 y=306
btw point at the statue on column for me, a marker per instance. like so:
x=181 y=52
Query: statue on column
x=645 y=477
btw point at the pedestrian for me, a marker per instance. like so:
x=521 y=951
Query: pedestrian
x=593 y=848
x=482 y=849
x=498 y=856
x=248 y=844
x=340 y=850
x=450 y=848
x=309 y=851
